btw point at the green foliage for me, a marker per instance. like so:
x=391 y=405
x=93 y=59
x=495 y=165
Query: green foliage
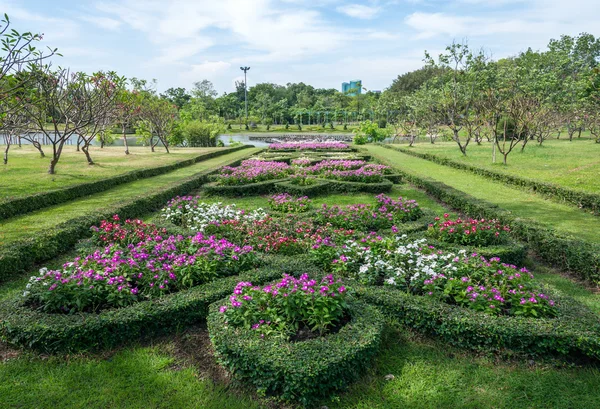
x=575 y=332
x=25 y=327
x=22 y=254
x=371 y=131
x=303 y=372
x=202 y=133
x=579 y=257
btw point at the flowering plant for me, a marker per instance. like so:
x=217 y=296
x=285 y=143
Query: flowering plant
x=287 y=307
x=490 y=286
x=308 y=145
x=470 y=232
x=384 y=214
x=130 y=232
x=284 y=202
x=188 y=211
x=301 y=162
x=120 y=275
x=253 y=171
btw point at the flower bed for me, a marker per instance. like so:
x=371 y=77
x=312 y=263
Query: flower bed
x=189 y=212
x=382 y=215
x=308 y=146
x=470 y=232
x=305 y=371
x=299 y=308
x=122 y=274
x=286 y=203
x=25 y=327
x=253 y=171
x=469 y=281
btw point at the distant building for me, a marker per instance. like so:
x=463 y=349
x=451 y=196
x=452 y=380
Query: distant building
x=352 y=88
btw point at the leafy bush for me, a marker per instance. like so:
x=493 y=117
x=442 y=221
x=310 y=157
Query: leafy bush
x=575 y=332
x=303 y=372
x=122 y=275
x=25 y=327
x=287 y=308
x=470 y=232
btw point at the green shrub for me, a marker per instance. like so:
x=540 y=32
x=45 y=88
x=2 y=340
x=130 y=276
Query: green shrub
x=304 y=371
x=24 y=327
x=512 y=252
x=575 y=332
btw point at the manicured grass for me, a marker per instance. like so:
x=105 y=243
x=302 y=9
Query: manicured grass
x=562 y=218
x=26 y=225
x=407 y=192
x=575 y=164
x=26 y=172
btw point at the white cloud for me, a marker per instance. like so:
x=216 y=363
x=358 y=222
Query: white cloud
x=359 y=11
x=102 y=22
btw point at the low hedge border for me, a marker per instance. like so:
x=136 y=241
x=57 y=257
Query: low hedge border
x=304 y=371
x=575 y=332
x=50 y=333
x=29 y=203
x=320 y=187
x=394 y=178
x=583 y=200
x=340 y=186
x=512 y=252
x=249 y=189
x=576 y=256
x=19 y=255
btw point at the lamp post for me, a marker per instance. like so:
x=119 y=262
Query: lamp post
x=245 y=69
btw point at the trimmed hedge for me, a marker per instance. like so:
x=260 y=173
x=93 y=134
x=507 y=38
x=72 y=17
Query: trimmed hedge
x=19 y=255
x=305 y=371
x=576 y=256
x=249 y=189
x=583 y=200
x=29 y=203
x=49 y=333
x=320 y=187
x=575 y=332
x=341 y=186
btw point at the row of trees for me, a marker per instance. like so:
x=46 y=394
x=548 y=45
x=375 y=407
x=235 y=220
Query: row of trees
x=269 y=104
x=62 y=106
x=508 y=102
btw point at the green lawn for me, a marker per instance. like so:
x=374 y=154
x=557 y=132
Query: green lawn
x=26 y=172
x=573 y=164
x=178 y=372
x=563 y=218
x=27 y=225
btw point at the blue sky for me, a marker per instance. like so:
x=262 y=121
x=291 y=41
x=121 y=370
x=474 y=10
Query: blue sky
x=320 y=42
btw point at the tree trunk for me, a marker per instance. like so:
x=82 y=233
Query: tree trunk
x=53 y=163
x=579 y=135
x=505 y=156
x=78 y=143
x=125 y=141
x=6 y=152
x=37 y=146
x=19 y=141
x=101 y=142
x=85 y=149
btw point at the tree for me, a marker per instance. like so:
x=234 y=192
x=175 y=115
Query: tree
x=458 y=84
x=158 y=119
x=12 y=124
x=99 y=93
x=177 y=96
x=127 y=110
x=62 y=99
x=411 y=81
